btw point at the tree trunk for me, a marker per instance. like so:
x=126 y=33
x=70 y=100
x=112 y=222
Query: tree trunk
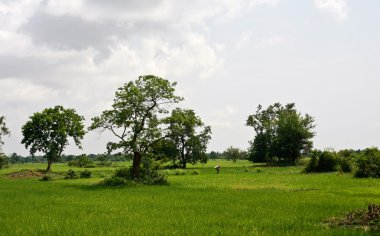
x=136 y=165
x=48 y=169
x=183 y=158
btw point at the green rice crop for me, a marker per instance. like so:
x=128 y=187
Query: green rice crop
x=238 y=201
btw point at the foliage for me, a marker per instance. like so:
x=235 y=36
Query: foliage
x=4 y=161
x=150 y=173
x=302 y=161
x=114 y=181
x=71 y=174
x=322 y=161
x=123 y=173
x=282 y=134
x=48 y=132
x=189 y=135
x=82 y=161
x=3 y=130
x=136 y=116
x=235 y=154
x=368 y=163
x=85 y=174
x=45 y=177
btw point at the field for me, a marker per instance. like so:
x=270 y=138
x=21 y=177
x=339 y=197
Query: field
x=241 y=200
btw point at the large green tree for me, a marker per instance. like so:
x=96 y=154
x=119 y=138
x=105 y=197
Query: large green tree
x=136 y=116
x=189 y=134
x=3 y=130
x=49 y=131
x=282 y=133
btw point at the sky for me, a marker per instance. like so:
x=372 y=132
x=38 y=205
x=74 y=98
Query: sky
x=228 y=56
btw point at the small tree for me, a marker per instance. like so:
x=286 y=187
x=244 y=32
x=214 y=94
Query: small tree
x=3 y=161
x=136 y=116
x=234 y=154
x=48 y=132
x=3 y=130
x=189 y=135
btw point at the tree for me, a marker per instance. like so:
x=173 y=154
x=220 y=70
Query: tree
x=281 y=133
x=49 y=131
x=189 y=135
x=235 y=154
x=3 y=161
x=3 y=130
x=136 y=116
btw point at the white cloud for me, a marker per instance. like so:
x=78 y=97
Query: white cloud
x=338 y=8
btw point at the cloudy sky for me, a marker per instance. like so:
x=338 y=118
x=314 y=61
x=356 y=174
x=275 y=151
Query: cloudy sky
x=227 y=56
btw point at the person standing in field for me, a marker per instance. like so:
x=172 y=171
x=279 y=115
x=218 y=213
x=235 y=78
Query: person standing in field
x=217 y=167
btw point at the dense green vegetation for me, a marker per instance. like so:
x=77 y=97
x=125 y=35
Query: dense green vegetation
x=244 y=199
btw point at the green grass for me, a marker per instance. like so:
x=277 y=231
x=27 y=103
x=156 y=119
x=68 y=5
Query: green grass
x=238 y=201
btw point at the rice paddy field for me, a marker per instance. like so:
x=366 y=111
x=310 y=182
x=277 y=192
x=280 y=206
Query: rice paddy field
x=243 y=199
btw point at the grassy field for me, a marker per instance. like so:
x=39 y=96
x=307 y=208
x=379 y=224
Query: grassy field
x=241 y=200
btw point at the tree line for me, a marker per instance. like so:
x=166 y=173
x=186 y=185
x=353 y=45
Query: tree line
x=148 y=130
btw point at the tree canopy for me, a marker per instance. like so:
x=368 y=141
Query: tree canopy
x=282 y=133
x=136 y=116
x=3 y=130
x=49 y=131
x=189 y=134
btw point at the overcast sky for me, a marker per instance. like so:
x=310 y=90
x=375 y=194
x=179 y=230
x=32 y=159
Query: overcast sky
x=227 y=56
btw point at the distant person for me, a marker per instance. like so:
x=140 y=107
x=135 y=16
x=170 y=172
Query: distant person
x=217 y=167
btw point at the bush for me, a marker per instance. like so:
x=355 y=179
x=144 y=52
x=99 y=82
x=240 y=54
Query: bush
x=123 y=173
x=327 y=162
x=104 y=163
x=45 y=178
x=322 y=161
x=71 y=174
x=302 y=161
x=3 y=161
x=85 y=174
x=195 y=172
x=368 y=164
x=150 y=173
x=180 y=172
x=114 y=181
x=345 y=164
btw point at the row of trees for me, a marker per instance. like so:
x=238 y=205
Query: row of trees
x=139 y=119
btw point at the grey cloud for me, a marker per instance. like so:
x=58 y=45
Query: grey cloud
x=68 y=32
x=130 y=5
x=11 y=66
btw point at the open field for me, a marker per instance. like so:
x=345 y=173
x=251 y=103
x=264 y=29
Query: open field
x=238 y=201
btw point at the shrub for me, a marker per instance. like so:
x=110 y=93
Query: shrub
x=150 y=173
x=195 y=172
x=104 y=163
x=345 y=164
x=3 y=161
x=45 y=178
x=123 y=173
x=114 y=181
x=368 y=164
x=322 y=161
x=302 y=161
x=259 y=170
x=180 y=172
x=71 y=174
x=85 y=174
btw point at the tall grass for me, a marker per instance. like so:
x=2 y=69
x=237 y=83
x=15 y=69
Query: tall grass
x=238 y=201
